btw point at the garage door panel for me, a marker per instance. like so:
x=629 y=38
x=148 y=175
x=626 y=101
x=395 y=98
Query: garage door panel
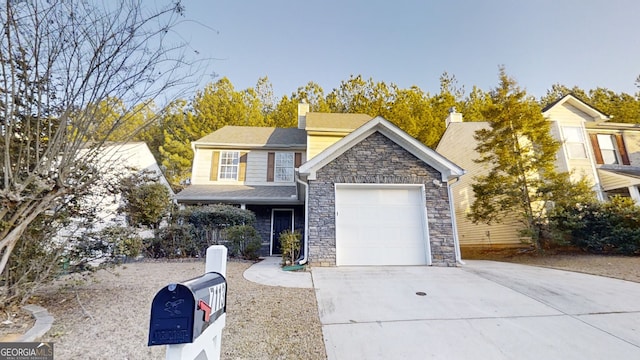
x=380 y=226
x=386 y=196
x=359 y=256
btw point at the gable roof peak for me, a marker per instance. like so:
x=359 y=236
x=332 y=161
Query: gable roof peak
x=578 y=103
x=447 y=169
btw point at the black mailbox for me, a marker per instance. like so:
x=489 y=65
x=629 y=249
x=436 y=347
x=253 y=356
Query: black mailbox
x=181 y=312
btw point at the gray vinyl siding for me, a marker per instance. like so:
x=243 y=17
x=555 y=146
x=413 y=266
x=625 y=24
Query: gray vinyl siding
x=256 y=170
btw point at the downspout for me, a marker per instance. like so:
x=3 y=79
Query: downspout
x=454 y=222
x=303 y=260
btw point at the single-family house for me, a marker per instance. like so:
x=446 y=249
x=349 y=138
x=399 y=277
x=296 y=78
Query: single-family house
x=115 y=162
x=361 y=190
x=594 y=147
x=118 y=160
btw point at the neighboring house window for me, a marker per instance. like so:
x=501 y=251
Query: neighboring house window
x=229 y=163
x=284 y=167
x=575 y=142
x=609 y=149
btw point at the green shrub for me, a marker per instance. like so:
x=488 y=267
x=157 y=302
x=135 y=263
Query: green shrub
x=193 y=229
x=290 y=245
x=209 y=221
x=244 y=241
x=123 y=241
x=174 y=241
x=612 y=227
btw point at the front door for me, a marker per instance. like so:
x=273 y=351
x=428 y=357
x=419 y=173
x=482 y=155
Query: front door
x=281 y=220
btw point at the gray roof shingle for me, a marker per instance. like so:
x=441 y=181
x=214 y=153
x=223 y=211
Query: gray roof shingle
x=249 y=136
x=238 y=194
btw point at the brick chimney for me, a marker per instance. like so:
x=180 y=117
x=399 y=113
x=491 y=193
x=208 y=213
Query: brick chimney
x=303 y=109
x=454 y=116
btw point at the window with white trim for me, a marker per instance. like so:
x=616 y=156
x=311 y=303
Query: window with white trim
x=608 y=149
x=229 y=163
x=575 y=142
x=283 y=167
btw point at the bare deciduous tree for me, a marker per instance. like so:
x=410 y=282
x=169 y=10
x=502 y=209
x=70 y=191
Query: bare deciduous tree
x=59 y=60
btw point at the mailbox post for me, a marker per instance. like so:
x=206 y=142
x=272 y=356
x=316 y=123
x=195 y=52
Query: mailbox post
x=189 y=317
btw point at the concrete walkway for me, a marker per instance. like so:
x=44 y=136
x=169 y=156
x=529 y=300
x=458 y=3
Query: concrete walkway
x=269 y=272
x=43 y=323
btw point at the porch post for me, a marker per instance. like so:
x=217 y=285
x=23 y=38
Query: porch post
x=635 y=194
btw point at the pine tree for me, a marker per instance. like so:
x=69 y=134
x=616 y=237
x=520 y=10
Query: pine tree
x=519 y=151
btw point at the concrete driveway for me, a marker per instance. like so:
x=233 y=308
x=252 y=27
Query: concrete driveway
x=482 y=310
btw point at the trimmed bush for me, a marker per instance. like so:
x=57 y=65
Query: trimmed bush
x=244 y=241
x=175 y=241
x=210 y=221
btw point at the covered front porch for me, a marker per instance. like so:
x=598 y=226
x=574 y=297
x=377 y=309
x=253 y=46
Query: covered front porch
x=621 y=181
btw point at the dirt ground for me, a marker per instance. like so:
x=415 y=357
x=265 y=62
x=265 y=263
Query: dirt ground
x=619 y=267
x=107 y=316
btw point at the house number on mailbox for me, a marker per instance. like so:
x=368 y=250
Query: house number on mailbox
x=216 y=301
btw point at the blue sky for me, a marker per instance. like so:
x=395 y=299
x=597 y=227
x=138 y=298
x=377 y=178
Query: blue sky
x=588 y=43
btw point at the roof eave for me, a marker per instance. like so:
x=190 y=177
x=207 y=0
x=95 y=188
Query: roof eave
x=239 y=200
x=578 y=103
x=249 y=146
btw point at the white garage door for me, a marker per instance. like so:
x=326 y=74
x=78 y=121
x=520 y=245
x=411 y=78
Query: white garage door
x=380 y=225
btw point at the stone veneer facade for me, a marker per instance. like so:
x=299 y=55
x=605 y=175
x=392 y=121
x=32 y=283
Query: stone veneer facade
x=377 y=159
x=263 y=222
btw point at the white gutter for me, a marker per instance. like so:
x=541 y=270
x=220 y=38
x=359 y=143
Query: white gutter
x=306 y=221
x=456 y=241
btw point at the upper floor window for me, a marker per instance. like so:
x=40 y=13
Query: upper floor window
x=575 y=142
x=281 y=166
x=607 y=149
x=229 y=164
x=284 y=167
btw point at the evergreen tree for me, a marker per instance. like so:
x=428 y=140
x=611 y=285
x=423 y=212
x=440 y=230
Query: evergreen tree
x=520 y=153
x=621 y=107
x=175 y=150
x=410 y=110
x=475 y=104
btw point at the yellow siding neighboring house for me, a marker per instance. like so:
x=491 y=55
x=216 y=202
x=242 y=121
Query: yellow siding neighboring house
x=631 y=136
x=576 y=154
x=607 y=154
x=459 y=147
x=616 y=148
